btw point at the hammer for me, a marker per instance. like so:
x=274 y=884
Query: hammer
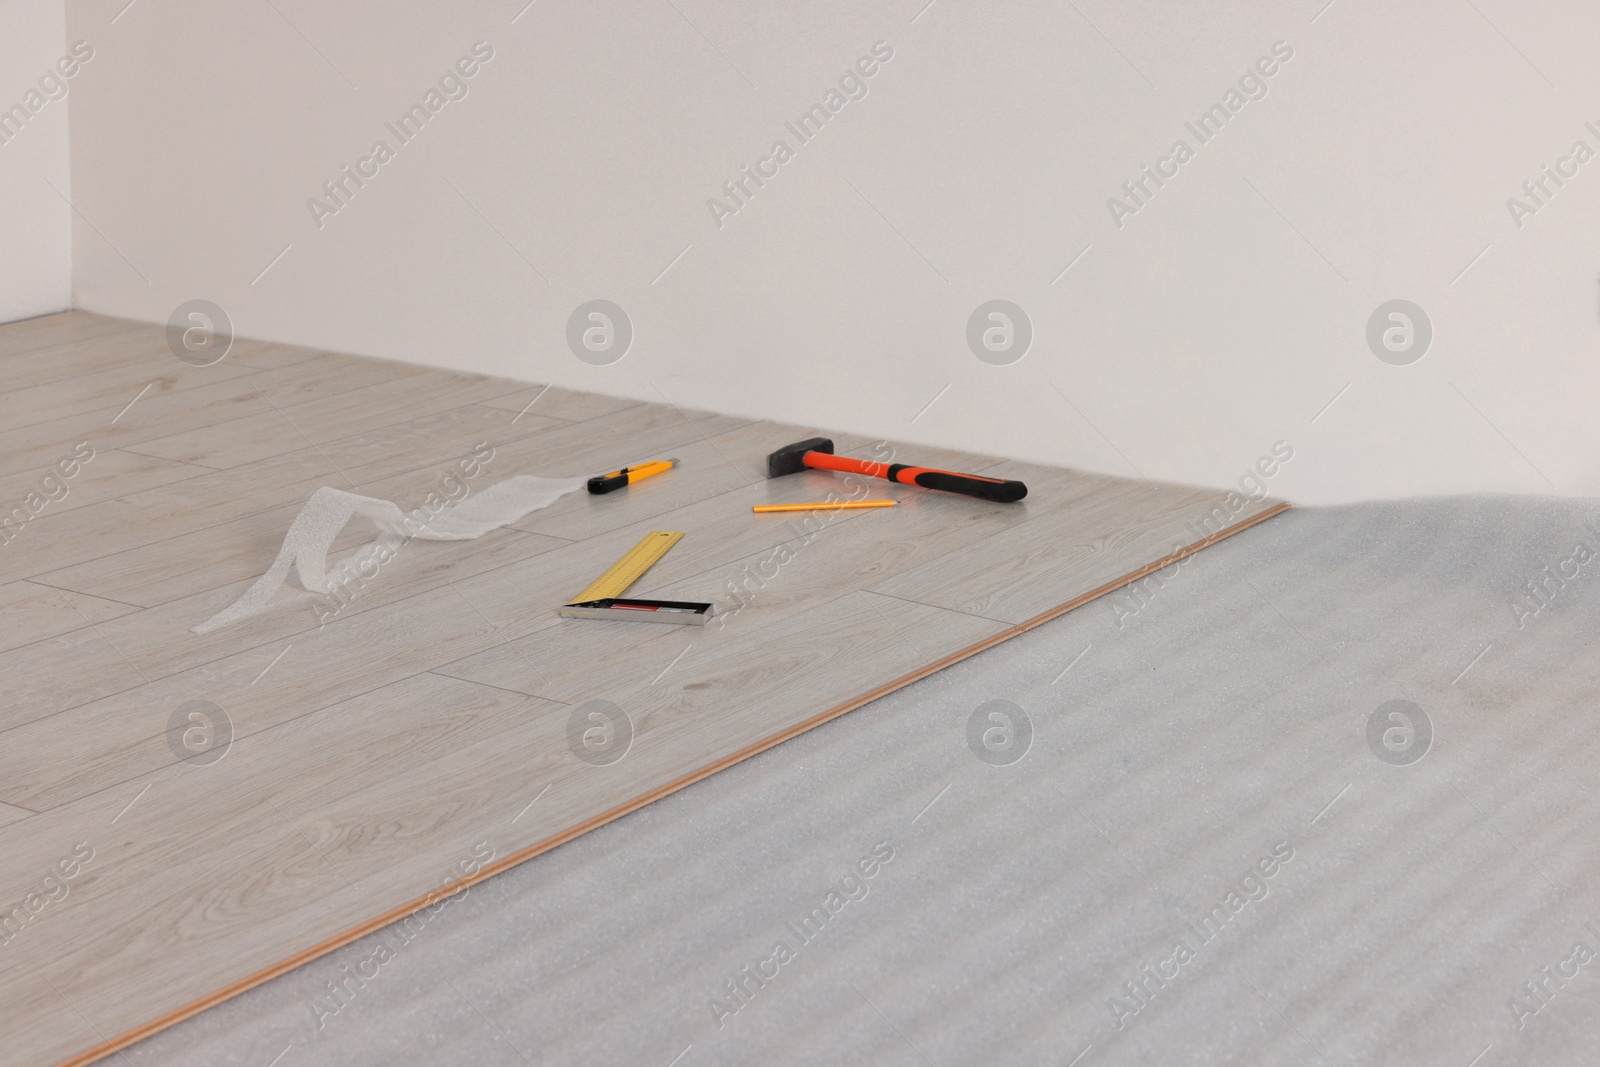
x=817 y=452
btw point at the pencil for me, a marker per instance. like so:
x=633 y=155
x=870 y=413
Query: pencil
x=838 y=505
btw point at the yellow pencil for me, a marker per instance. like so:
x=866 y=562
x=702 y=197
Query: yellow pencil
x=761 y=509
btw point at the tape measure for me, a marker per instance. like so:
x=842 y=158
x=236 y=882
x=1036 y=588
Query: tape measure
x=627 y=570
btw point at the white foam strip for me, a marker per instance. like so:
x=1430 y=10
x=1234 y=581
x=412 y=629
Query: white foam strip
x=305 y=547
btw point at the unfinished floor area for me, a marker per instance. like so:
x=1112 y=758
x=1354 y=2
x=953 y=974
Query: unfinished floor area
x=346 y=764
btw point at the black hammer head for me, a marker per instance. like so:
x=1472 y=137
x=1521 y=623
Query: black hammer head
x=790 y=459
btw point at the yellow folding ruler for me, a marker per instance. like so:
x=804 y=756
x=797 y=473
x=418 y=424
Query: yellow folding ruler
x=603 y=598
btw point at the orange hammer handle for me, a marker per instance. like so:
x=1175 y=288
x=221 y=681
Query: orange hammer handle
x=996 y=489
x=829 y=462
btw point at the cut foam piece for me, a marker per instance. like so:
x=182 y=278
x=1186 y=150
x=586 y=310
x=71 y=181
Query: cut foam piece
x=329 y=510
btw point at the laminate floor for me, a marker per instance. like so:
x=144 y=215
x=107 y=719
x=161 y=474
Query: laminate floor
x=184 y=816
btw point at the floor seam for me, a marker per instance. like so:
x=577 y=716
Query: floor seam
x=259 y=733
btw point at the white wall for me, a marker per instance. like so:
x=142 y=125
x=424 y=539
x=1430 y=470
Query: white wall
x=1220 y=318
x=35 y=220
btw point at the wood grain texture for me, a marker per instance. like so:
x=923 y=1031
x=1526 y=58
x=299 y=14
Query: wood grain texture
x=132 y=419
x=326 y=419
x=557 y=403
x=29 y=338
x=372 y=749
x=9 y=814
x=108 y=475
x=34 y=612
x=154 y=372
x=71 y=358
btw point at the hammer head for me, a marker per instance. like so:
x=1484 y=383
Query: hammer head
x=790 y=459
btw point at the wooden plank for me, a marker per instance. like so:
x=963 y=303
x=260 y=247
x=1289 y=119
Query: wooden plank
x=107 y=475
x=66 y=327
x=238 y=550
x=54 y=674
x=68 y=359
x=325 y=419
x=33 y=612
x=231 y=554
x=1017 y=573
x=58 y=539
x=9 y=814
x=134 y=419
x=155 y=372
x=270 y=355
x=553 y=402
x=350 y=656
x=455 y=431
x=159 y=641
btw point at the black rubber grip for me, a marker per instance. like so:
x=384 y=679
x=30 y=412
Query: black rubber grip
x=602 y=483
x=1001 y=492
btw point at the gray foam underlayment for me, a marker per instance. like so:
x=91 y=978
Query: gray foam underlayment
x=1227 y=716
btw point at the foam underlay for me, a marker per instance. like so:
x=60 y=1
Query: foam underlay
x=1182 y=744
